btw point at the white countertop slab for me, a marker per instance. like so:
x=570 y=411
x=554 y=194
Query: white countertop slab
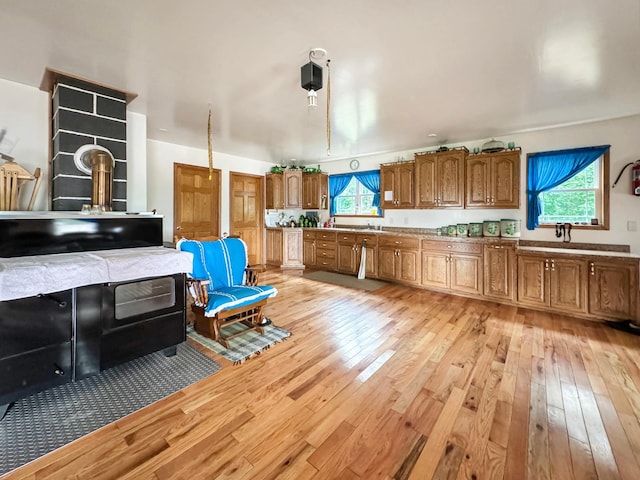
x=22 y=277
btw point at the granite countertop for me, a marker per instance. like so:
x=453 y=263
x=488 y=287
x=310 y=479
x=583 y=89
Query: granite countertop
x=429 y=234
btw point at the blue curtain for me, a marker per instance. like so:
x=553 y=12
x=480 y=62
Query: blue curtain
x=371 y=180
x=546 y=170
x=337 y=184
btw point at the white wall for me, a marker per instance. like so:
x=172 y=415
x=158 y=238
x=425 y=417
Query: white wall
x=621 y=134
x=24 y=112
x=161 y=157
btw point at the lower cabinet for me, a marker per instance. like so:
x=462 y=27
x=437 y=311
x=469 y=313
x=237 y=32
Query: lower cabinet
x=552 y=282
x=452 y=266
x=613 y=289
x=399 y=258
x=319 y=249
x=499 y=269
x=349 y=253
x=292 y=248
x=274 y=246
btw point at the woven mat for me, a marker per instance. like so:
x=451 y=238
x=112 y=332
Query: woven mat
x=245 y=346
x=345 y=280
x=42 y=422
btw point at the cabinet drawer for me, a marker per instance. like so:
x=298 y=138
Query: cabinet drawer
x=399 y=242
x=372 y=239
x=443 y=246
x=308 y=234
x=347 y=238
x=323 y=245
x=328 y=236
x=326 y=263
x=325 y=253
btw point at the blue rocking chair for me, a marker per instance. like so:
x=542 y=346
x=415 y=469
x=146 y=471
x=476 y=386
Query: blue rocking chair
x=224 y=288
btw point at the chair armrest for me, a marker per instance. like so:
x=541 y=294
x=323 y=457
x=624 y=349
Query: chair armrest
x=198 y=289
x=251 y=277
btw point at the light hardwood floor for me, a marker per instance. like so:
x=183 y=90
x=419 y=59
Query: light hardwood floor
x=397 y=383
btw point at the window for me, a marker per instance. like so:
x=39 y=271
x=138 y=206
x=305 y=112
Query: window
x=569 y=186
x=577 y=201
x=356 y=199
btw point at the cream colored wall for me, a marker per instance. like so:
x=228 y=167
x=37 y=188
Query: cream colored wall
x=24 y=112
x=621 y=134
x=161 y=157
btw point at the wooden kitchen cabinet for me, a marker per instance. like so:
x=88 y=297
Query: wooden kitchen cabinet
x=493 y=180
x=274 y=246
x=556 y=282
x=399 y=258
x=274 y=191
x=439 y=179
x=319 y=247
x=397 y=185
x=499 y=268
x=292 y=253
x=452 y=266
x=292 y=188
x=349 y=253
x=315 y=191
x=613 y=288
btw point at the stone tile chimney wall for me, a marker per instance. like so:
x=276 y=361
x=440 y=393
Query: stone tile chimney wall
x=83 y=113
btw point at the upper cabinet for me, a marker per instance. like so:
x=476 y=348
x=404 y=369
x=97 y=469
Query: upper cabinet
x=274 y=191
x=292 y=188
x=493 y=180
x=315 y=191
x=439 y=179
x=396 y=185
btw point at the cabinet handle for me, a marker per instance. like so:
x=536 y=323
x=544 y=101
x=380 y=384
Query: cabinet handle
x=488 y=199
x=497 y=247
x=546 y=264
x=592 y=268
x=58 y=370
x=553 y=265
x=448 y=246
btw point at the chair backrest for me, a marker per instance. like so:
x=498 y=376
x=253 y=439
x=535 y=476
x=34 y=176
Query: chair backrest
x=223 y=262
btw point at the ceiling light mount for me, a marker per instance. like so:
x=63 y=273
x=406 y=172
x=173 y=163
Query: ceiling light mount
x=311 y=76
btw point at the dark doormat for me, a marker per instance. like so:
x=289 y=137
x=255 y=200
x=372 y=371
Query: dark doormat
x=42 y=422
x=344 y=280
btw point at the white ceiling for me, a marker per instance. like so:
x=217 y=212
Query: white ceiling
x=400 y=70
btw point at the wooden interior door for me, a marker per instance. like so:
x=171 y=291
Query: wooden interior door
x=246 y=215
x=196 y=202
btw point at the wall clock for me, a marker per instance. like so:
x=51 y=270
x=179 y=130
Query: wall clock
x=354 y=164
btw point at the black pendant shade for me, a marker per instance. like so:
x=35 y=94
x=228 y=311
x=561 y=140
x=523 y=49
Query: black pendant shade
x=311 y=76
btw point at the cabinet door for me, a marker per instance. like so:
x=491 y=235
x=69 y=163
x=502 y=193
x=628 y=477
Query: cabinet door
x=274 y=247
x=404 y=188
x=450 y=179
x=274 y=196
x=505 y=181
x=308 y=187
x=425 y=178
x=292 y=247
x=466 y=273
x=435 y=269
x=309 y=252
x=387 y=186
x=498 y=271
x=568 y=285
x=613 y=289
x=408 y=265
x=346 y=258
x=293 y=189
x=371 y=265
x=387 y=262
x=477 y=192
x=532 y=281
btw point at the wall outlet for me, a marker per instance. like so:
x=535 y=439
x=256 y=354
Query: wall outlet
x=632 y=226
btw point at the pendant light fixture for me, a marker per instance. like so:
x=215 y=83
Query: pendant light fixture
x=311 y=76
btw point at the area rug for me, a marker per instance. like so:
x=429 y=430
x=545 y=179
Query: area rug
x=42 y=422
x=345 y=280
x=245 y=346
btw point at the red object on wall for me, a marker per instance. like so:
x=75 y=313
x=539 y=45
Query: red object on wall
x=635 y=177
